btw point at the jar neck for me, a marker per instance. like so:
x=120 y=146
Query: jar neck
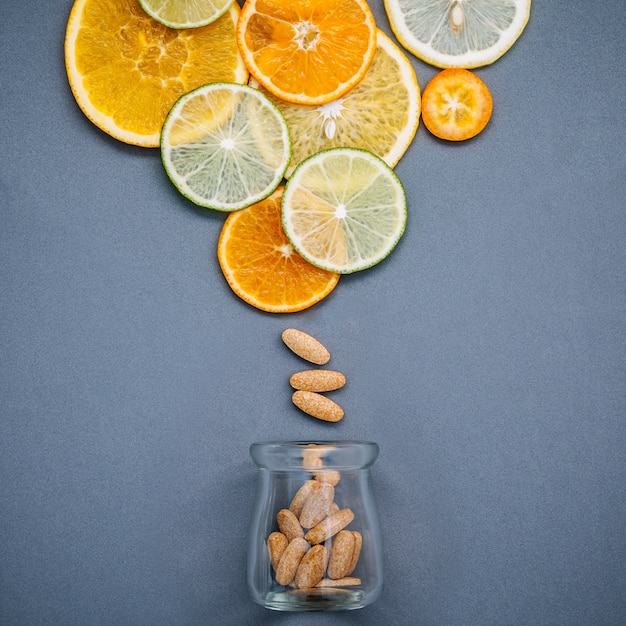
x=296 y=455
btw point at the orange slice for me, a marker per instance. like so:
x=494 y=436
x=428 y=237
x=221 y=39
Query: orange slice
x=456 y=105
x=126 y=70
x=262 y=267
x=307 y=51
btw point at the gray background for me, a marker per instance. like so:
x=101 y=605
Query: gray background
x=486 y=356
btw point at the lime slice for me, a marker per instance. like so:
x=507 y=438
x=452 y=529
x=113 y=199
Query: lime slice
x=185 y=13
x=458 y=33
x=380 y=114
x=225 y=146
x=344 y=209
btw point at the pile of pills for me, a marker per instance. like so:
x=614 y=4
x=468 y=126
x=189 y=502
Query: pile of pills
x=312 y=546
x=311 y=384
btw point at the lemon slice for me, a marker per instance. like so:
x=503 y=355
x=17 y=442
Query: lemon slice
x=344 y=209
x=185 y=13
x=458 y=33
x=225 y=146
x=381 y=114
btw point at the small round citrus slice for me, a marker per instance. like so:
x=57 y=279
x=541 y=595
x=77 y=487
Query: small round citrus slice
x=381 y=114
x=458 y=33
x=344 y=209
x=262 y=267
x=185 y=13
x=307 y=52
x=225 y=146
x=456 y=105
x=126 y=70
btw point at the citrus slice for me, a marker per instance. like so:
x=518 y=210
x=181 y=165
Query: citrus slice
x=262 y=267
x=185 y=13
x=380 y=114
x=344 y=209
x=456 y=104
x=307 y=51
x=225 y=146
x=126 y=70
x=458 y=33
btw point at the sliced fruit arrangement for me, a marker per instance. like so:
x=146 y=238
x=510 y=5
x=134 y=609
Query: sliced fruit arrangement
x=185 y=13
x=308 y=94
x=262 y=267
x=456 y=104
x=126 y=70
x=225 y=146
x=307 y=52
x=344 y=209
x=381 y=114
x=458 y=33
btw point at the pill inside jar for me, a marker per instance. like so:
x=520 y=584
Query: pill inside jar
x=314 y=540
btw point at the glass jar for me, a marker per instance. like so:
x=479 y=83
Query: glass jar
x=314 y=542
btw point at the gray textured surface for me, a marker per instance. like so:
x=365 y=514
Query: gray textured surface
x=486 y=356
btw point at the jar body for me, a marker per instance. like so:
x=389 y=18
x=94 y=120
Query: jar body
x=314 y=541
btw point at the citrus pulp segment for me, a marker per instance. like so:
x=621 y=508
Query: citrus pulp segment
x=225 y=146
x=458 y=33
x=262 y=267
x=307 y=51
x=456 y=104
x=185 y=13
x=344 y=209
x=126 y=70
x=381 y=114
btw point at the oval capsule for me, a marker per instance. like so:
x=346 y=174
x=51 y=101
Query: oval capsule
x=317 y=405
x=317 y=380
x=305 y=346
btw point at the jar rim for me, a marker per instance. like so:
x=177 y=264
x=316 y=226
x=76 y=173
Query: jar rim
x=292 y=455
